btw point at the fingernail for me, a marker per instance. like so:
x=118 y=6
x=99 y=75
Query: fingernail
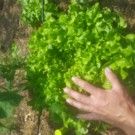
x=65 y=90
x=68 y=100
x=107 y=69
x=73 y=78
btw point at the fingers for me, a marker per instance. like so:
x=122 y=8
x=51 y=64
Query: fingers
x=85 y=85
x=89 y=116
x=80 y=105
x=112 y=79
x=94 y=116
x=77 y=96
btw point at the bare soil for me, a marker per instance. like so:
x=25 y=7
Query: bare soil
x=12 y=30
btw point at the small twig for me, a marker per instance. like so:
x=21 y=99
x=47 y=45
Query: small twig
x=43 y=2
x=39 y=122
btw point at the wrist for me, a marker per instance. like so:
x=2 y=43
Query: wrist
x=128 y=126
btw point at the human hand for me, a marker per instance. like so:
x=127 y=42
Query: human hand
x=113 y=106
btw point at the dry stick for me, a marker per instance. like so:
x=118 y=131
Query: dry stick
x=39 y=121
x=43 y=12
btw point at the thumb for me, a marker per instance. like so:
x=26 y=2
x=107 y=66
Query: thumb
x=89 y=116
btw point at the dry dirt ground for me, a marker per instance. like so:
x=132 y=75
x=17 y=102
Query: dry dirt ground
x=11 y=29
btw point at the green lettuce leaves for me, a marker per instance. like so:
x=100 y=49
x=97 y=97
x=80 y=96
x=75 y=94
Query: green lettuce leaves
x=81 y=42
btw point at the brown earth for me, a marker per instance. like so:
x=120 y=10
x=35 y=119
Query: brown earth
x=12 y=30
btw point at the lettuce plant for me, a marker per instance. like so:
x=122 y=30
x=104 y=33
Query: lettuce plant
x=80 y=43
x=32 y=11
x=10 y=98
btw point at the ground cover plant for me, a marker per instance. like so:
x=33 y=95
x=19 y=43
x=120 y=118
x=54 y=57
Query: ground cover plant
x=9 y=92
x=81 y=42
